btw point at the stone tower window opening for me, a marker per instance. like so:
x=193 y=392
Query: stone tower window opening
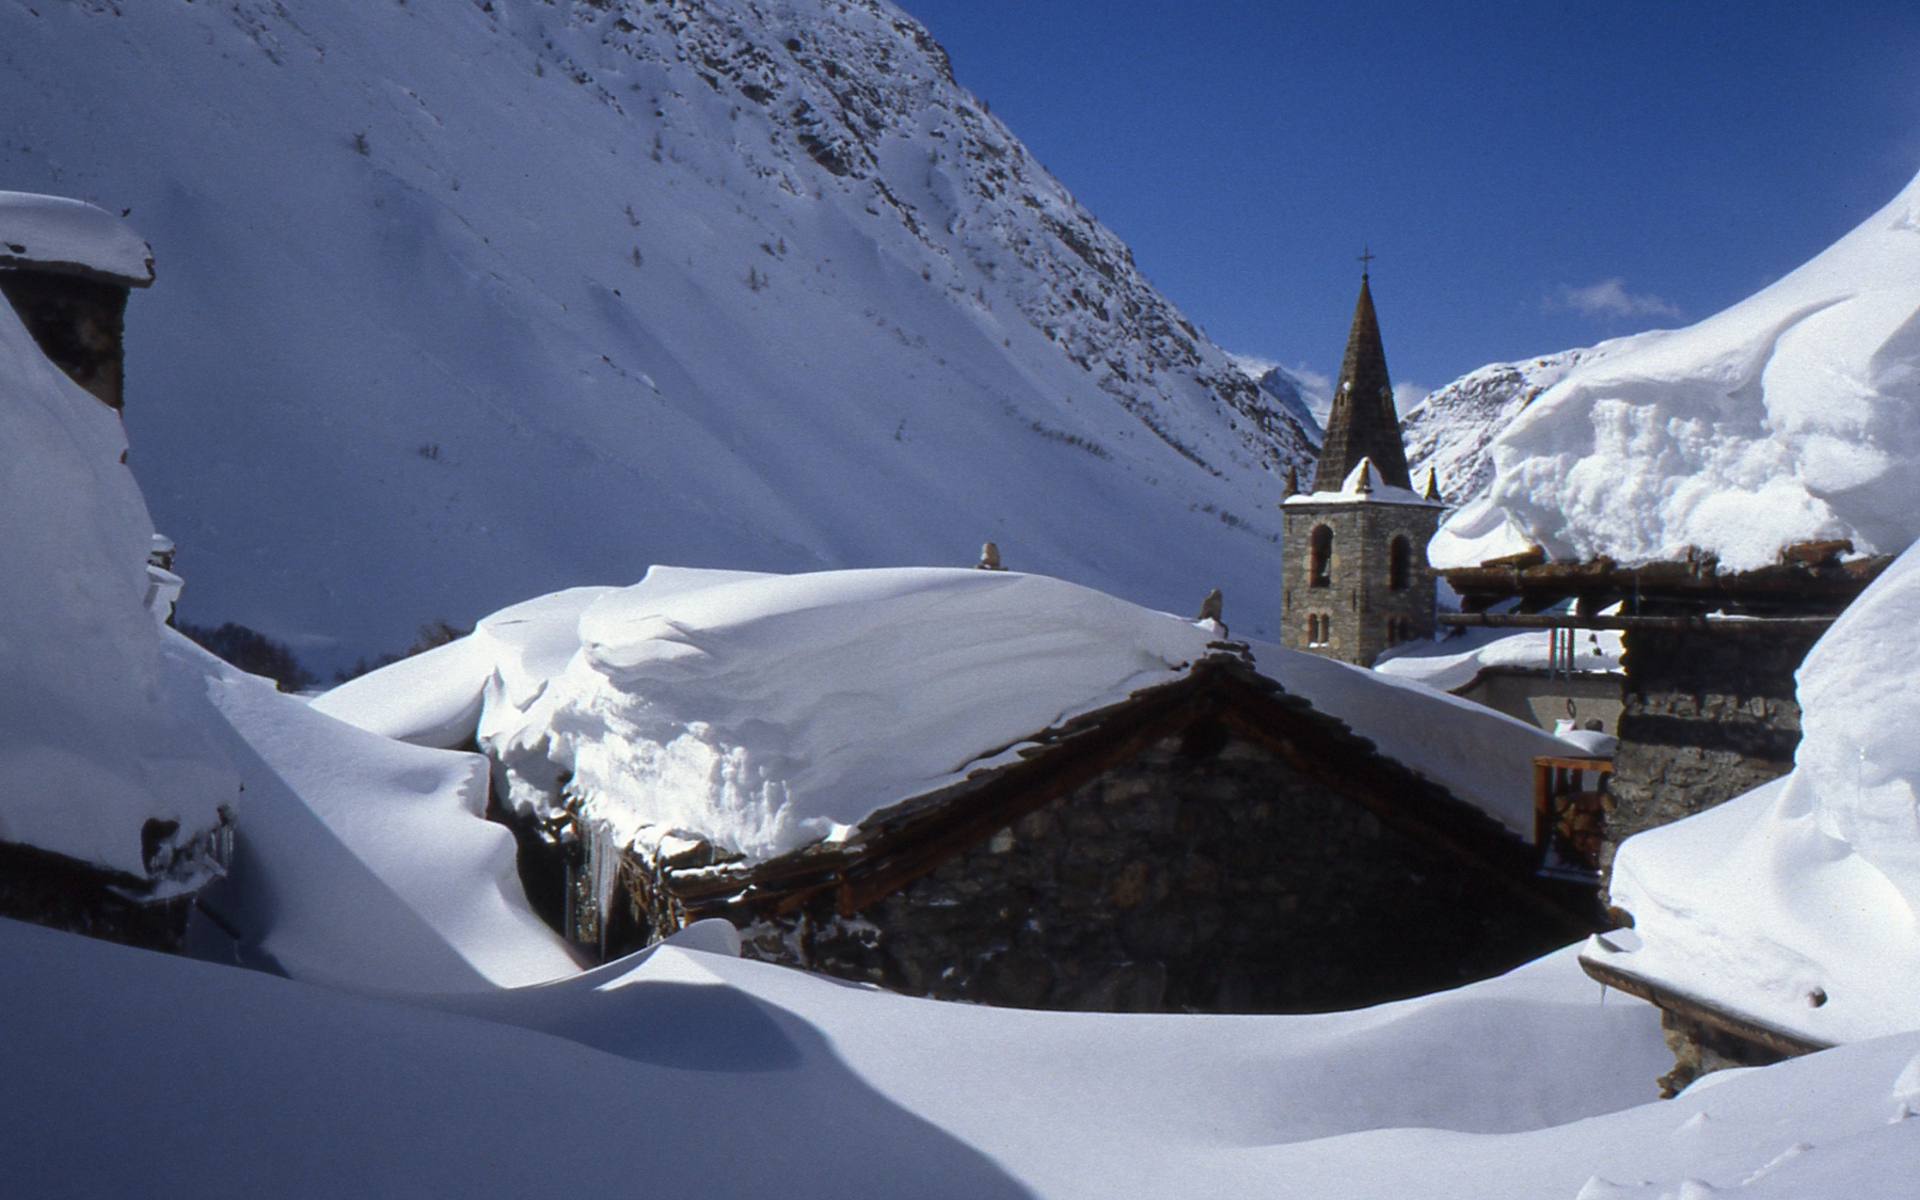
x=1320 y=558
x=1400 y=564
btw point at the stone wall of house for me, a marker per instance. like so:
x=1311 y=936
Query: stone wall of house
x=1202 y=875
x=1706 y=717
x=1358 y=602
x=78 y=323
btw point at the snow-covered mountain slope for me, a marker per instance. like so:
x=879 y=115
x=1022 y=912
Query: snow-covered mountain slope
x=1297 y=397
x=1792 y=416
x=1450 y=430
x=464 y=302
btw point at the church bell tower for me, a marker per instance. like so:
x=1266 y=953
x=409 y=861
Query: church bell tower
x=1353 y=554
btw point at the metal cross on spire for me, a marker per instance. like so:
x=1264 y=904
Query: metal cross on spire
x=1366 y=258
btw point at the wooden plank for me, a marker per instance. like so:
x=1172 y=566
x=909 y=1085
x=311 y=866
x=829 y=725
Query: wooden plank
x=1747 y=1029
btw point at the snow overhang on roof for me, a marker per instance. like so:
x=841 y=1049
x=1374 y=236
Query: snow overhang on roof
x=71 y=237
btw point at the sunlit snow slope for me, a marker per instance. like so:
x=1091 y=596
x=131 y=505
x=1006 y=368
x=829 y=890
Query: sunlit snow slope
x=463 y=302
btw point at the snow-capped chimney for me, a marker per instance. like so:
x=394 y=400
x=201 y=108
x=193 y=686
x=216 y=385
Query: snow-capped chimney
x=66 y=267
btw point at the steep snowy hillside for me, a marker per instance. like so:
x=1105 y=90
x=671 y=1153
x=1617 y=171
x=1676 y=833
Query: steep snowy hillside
x=1450 y=430
x=1792 y=416
x=464 y=302
x=1297 y=397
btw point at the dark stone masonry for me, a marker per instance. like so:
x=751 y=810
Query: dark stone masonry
x=1202 y=875
x=1706 y=718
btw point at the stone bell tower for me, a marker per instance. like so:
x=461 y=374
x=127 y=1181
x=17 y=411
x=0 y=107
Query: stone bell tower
x=1354 y=550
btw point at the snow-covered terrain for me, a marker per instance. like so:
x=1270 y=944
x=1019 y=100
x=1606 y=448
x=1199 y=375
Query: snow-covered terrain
x=1450 y=430
x=678 y=1072
x=764 y=712
x=460 y=303
x=1792 y=416
x=103 y=758
x=1795 y=904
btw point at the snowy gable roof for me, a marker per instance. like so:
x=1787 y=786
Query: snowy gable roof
x=1787 y=418
x=53 y=233
x=768 y=712
x=1364 y=485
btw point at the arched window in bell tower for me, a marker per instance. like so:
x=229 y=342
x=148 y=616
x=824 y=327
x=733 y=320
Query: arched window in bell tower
x=1320 y=557
x=1400 y=564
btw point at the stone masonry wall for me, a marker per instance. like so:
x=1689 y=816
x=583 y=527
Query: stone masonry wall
x=1706 y=717
x=1202 y=875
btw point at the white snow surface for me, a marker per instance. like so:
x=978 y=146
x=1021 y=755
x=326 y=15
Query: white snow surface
x=464 y=303
x=756 y=1080
x=1450 y=430
x=93 y=742
x=1792 y=416
x=1363 y=485
x=768 y=711
x=62 y=234
x=1456 y=661
x=765 y=711
x=1807 y=888
x=363 y=862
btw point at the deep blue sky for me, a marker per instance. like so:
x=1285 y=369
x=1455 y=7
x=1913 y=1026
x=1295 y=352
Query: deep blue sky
x=1497 y=157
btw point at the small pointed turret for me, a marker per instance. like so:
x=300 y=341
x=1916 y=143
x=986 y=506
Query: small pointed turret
x=1363 y=423
x=1432 y=491
x=1293 y=481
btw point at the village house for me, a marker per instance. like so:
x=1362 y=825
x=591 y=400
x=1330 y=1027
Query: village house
x=992 y=786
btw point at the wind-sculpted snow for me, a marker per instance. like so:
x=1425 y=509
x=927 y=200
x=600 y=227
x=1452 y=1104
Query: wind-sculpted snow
x=1794 y=904
x=102 y=758
x=459 y=303
x=1792 y=416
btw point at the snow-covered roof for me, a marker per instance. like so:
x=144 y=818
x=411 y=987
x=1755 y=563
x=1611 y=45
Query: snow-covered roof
x=1794 y=904
x=97 y=738
x=1458 y=660
x=1787 y=418
x=1364 y=485
x=765 y=712
x=54 y=233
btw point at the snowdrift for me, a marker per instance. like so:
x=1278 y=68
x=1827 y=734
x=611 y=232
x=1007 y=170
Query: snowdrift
x=1792 y=416
x=101 y=759
x=1795 y=904
x=1526 y=1086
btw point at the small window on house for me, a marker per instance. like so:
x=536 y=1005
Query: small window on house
x=1320 y=557
x=1400 y=564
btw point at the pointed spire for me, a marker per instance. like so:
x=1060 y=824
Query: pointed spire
x=1293 y=481
x=1432 y=490
x=1363 y=423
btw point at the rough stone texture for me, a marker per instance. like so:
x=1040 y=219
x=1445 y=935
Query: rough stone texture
x=78 y=323
x=1699 y=1048
x=1359 y=604
x=52 y=890
x=1203 y=874
x=1706 y=717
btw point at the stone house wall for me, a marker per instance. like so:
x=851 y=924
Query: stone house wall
x=1706 y=717
x=1359 y=601
x=1202 y=874
x=78 y=323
